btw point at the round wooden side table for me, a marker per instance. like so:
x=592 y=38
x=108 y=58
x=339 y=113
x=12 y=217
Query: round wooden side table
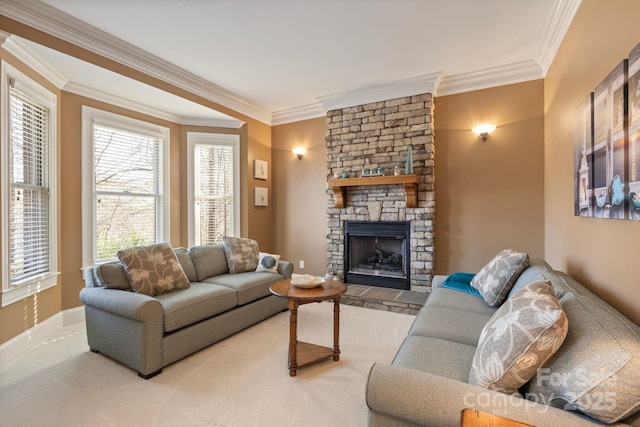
x=302 y=354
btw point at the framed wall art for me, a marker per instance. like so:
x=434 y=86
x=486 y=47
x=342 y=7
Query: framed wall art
x=609 y=144
x=261 y=196
x=583 y=159
x=260 y=169
x=634 y=134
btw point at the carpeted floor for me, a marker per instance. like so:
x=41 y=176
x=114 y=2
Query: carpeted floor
x=241 y=381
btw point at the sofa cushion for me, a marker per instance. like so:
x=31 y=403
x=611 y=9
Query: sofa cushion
x=111 y=275
x=209 y=260
x=186 y=263
x=268 y=262
x=522 y=335
x=249 y=286
x=153 y=270
x=597 y=369
x=461 y=301
x=200 y=301
x=534 y=272
x=242 y=254
x=496 y=278
x=461 y=282
x=451 y=324
x=436 y=356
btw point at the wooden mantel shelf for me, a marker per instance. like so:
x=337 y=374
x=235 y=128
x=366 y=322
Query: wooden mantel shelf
x=409 y=181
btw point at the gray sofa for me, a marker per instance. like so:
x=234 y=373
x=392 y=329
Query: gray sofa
x=427 y=383
x=148 y=333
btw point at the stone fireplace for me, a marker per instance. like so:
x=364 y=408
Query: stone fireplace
x=377 y=136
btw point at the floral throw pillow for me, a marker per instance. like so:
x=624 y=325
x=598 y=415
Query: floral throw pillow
x=268 y=262
x=519 y=338
x=153 y=270
x=242 y=254
x=495 y=280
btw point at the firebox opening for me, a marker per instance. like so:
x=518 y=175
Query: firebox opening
x=378 y=253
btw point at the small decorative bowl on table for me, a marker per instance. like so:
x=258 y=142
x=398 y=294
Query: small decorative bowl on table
x=307 y=281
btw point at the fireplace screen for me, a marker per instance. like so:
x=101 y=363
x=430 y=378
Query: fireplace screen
x=377 y=253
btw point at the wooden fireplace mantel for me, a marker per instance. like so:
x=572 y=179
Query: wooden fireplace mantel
x=409 y=181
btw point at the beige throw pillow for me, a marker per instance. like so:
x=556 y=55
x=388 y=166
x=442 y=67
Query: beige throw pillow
x=242 y=254
x=153 y=270
x=495 y=280
x=519 y=338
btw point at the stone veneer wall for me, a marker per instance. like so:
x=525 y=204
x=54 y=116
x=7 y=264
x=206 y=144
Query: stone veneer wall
x=377 y=135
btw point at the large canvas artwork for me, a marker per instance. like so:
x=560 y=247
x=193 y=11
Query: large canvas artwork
x=583 y=159
x=634 y=134
x=610 y=145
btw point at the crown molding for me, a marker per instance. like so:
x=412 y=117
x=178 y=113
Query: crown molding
x=46 y=18
x=426 y=83
x=557 y=27
x=434 y=83
x=98 y=95
x=296 y=114
x=490 y=77
x=4 y=36
x=34 y=61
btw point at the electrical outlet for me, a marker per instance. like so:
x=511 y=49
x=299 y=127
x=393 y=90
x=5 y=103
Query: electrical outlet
x=301 y=264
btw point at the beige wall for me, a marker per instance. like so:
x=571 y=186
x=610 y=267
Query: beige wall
x=299 y=195
x=489 y=195
x=602 y=254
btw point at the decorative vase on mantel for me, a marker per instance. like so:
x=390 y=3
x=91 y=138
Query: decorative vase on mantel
x=409 y=165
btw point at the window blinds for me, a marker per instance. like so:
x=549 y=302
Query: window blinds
x=213 y=170
x=29 y=214
x=128 y=190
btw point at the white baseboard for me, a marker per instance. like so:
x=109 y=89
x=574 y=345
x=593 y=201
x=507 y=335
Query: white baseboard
x=23 y=343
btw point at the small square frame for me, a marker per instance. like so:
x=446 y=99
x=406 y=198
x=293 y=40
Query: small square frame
x=260 y=169
x=261 y=196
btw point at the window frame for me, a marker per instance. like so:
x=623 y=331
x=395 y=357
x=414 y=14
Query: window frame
x=93 y=116
x=11 y=76
x=211 y=138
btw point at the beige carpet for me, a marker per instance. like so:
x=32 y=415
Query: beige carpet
x=241 y=381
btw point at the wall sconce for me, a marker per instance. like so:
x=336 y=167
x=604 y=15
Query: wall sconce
x=483 y=130
x=299 y=151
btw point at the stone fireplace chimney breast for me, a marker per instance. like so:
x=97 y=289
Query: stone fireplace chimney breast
x=378 y=136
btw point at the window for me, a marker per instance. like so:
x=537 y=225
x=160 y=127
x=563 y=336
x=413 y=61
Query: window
x=213 y=207
x=28 y=156
x=125 y=187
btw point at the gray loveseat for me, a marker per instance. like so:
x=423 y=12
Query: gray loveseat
x=427 y=383
x=148 y=333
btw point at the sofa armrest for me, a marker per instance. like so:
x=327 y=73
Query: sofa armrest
x=432 y=400
x=285 y=268
x=437 y=280
x=127 y=304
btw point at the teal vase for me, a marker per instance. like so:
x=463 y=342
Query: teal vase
x=409 y=166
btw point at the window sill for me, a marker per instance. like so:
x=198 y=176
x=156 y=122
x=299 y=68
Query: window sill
x=26 y=289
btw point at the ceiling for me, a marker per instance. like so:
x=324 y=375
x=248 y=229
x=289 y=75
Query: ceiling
x=286 y=60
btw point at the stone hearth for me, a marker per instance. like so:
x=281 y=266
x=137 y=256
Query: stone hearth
x=394 y=300
x=378 y=135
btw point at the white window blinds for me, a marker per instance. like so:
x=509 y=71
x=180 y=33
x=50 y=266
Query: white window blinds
x=213 y=192
x=128 y=190
x=30 y=243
